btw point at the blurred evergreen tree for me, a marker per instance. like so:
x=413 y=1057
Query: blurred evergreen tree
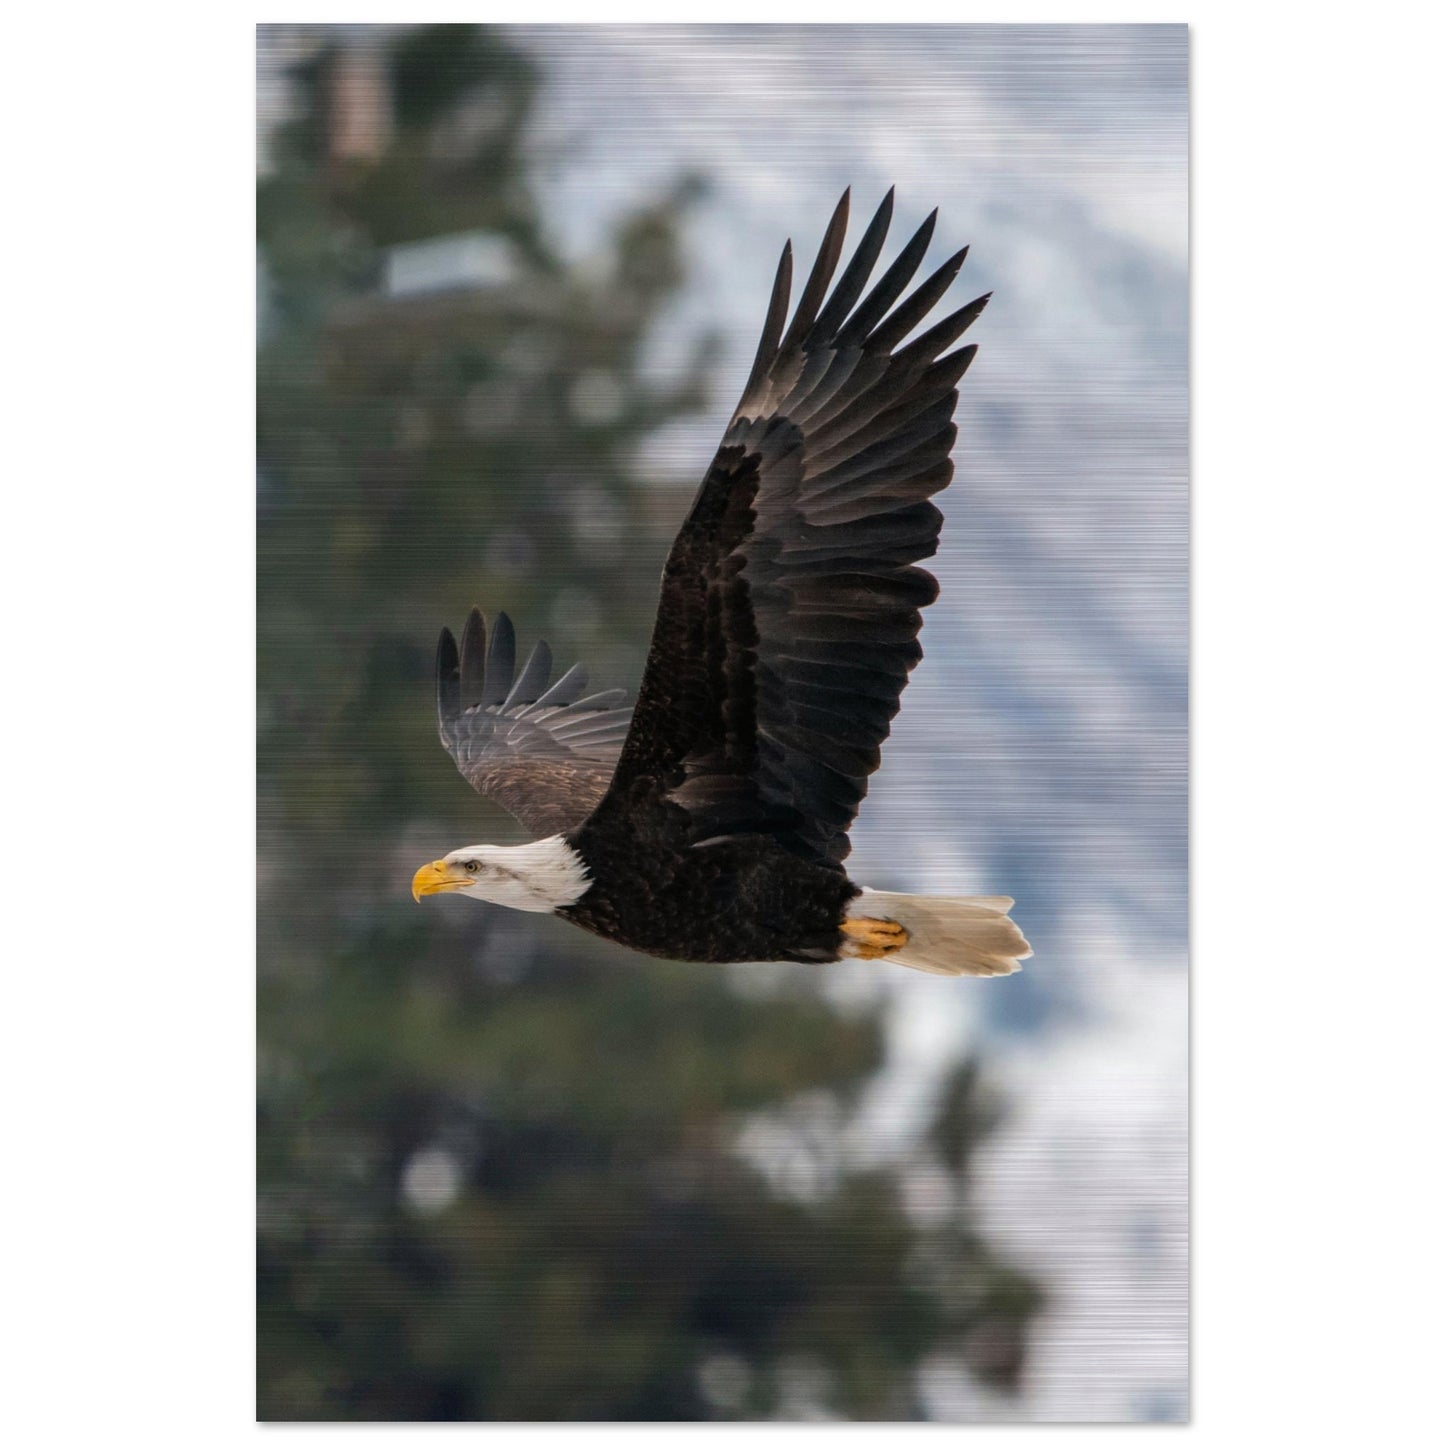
x=497 y=1166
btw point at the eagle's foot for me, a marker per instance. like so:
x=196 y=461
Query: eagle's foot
x=872 y=937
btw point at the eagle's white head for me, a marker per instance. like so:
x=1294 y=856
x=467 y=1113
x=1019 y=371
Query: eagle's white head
x=538 y=877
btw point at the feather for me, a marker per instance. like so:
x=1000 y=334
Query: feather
x=772 y=327
x=449 y=685
x=532 y=678
x=501 y=661
x=819 y=276
x=939 y=338
x=567 y=689
x=473 y=661
x=855 y=276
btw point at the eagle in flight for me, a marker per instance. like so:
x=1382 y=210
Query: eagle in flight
x=709 y=822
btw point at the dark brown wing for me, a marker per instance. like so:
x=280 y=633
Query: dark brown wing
x=546 y=754
x=789 y=615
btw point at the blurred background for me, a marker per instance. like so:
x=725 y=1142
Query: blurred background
x=509 y=283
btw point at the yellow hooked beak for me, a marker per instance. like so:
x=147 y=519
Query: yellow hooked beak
x=437 y=877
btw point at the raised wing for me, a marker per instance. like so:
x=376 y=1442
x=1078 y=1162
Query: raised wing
x=546 y=754
x=789 y=614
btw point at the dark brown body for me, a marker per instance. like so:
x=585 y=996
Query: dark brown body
x=733 y=900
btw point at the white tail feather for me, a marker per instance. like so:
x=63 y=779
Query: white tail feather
x=950 y=936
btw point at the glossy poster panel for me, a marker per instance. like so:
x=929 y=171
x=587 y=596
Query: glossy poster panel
x=510 y=287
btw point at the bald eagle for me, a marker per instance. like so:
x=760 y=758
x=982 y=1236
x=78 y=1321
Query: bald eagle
x=710 y=821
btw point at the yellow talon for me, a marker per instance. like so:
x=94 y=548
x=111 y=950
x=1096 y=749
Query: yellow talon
x=872 y=937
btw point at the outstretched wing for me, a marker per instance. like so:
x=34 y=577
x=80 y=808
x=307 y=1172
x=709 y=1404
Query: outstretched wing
x=546 y=754
x=789 y=614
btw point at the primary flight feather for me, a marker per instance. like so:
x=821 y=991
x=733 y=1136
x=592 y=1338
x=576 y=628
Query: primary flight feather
x=710 y=821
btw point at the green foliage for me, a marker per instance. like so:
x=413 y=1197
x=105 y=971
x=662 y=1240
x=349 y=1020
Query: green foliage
x=497 y=1159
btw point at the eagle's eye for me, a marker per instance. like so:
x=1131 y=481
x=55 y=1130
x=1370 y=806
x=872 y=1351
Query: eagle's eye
x=471 y=865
